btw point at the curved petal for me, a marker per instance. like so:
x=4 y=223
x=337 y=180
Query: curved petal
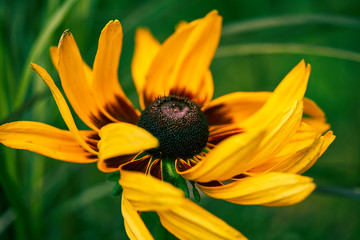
x=63 y=107
x=146 y=48
x=190 y=221
x=291 y=89
x=228 y=159
x=76 y=85
x=234 y=108
x=278 y=134
x=271 y=189
x=183 y=59
x=134 y=225
x=300 y=153
x=109 y=93
x=147 y=193
x=181 y=216
x=314 y=116
x=46 y=140
x=119 y=139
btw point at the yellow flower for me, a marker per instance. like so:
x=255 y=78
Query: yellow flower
x=244 y=147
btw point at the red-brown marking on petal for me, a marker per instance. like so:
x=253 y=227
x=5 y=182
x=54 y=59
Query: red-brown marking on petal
x=239 y=176
x=155 y=169
x=216 y=115
x=211 y=184
x=181 y=165
x=192 y=162
x=122 y=111
x=118 y=161
x=218 y=134
x=182 y=93
x=139 y=165
x=100 y=120
x=93 y=140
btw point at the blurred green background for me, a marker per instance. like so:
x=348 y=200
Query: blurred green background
x=41 y=198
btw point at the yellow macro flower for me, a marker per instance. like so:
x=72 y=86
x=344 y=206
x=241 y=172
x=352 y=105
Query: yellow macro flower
x=244 y=147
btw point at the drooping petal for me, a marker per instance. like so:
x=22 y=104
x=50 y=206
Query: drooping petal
x=134 y=225
x=300 y=153
x=118 y=139
x=46 y=140
x=271 y=189
x=181 y=216
x=190 y=221
x=63 y=107
x=182 y=62
x=278 y=134
x=76 y=85
x=328 y=139
x=109 y=93
x=315 y=117
x=228 y=159
x=146 y=48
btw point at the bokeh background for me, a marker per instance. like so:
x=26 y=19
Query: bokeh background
x=42 y=198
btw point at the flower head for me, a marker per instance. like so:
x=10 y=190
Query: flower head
x=244 y=147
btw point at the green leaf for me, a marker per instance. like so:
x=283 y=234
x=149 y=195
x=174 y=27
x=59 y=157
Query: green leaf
x=195 y=192
x=117 y=190
x=114 y=177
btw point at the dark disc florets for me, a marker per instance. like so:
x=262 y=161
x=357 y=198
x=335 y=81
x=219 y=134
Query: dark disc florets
x=179 y=125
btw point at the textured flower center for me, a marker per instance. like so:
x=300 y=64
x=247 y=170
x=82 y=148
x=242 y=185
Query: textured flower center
x=179 y=125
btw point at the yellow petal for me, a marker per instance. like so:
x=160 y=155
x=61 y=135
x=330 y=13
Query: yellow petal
x=63 y=107
x=228 y=159
x=328 y=139
x=182 y=217
x=271 y=189
x=122 y=139
x=54 y=54
x=190 y=221
x=183 y=60
x=235 y=107
x=134 y=225
x=291 y=89
x=75 y=84
x=278 y=134
x=46 y=140
x=146 y=48
x=296 y=161
x=300 y=153
x=315 y=116
x=109 y=93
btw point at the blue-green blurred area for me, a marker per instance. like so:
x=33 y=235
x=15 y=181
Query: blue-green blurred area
x=42 y=198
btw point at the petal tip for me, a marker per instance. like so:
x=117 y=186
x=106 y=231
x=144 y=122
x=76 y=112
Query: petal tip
x=63 y=37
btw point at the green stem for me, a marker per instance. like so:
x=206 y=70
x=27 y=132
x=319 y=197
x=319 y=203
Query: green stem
x=171 y=176
x=285 y=48
x=288 y=20
x=353 y=193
